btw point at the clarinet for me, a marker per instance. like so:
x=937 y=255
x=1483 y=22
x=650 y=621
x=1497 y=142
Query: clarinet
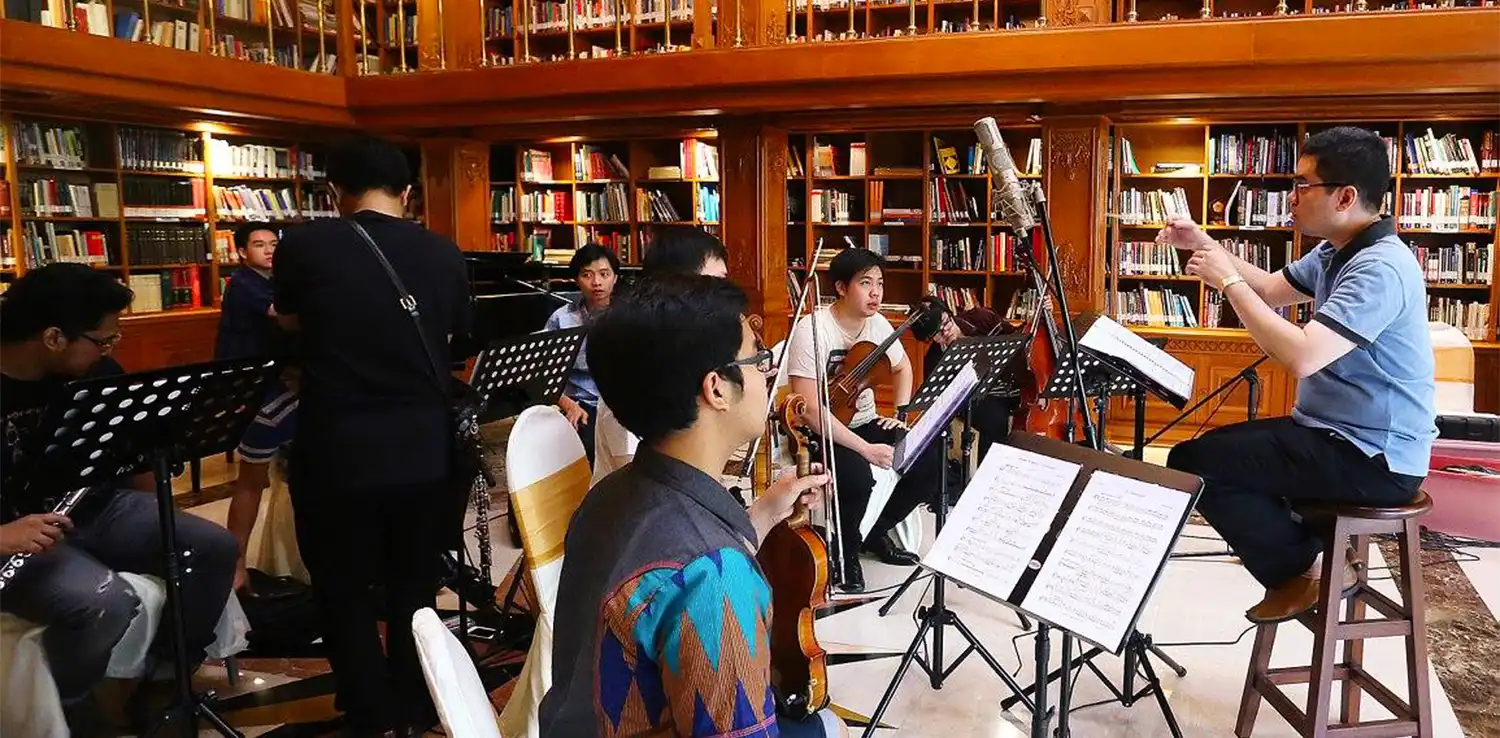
x=14 y=563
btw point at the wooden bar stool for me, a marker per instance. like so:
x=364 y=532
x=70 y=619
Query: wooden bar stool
x=1351 y=525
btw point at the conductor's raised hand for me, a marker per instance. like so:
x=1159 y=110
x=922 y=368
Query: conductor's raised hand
x=1183 y=233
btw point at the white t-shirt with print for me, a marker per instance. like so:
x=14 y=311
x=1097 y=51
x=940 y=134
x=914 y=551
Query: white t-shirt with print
x=835 y=343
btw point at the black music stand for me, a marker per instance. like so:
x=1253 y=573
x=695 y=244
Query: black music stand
x=995 y=354
x=509 y=376
x=125 y=424
x=977 y=352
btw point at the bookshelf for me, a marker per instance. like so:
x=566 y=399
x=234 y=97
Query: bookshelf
x=922 y=198
x=1147 y=11
x=552 y=30
x=551 y=197
x=838 y=20
x=1444 y=208
x=155 y=205
x=295 y=34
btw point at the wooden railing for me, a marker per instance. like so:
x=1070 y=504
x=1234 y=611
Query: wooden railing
x=406 y=36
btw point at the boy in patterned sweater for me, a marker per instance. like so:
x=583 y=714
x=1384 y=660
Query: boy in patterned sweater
x=663 y=615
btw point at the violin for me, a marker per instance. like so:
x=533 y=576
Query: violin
x=865 y=365
x=794 y=559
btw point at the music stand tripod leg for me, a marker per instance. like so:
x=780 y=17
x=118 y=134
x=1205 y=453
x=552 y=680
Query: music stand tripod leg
x=187 y=707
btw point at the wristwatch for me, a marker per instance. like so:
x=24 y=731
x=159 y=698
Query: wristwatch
x=1229 y=280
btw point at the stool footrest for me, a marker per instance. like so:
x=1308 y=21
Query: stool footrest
x=1268 y=685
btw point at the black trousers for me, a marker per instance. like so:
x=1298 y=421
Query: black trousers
x=856 y=481
x=586 y=430
x=1251 y=471
x=350 y=541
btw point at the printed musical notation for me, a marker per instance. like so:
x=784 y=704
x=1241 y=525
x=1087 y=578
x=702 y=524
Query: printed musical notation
x=1103 y=562
x=1001 y=519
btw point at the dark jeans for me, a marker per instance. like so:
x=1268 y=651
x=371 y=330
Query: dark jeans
x=1251 y=471
x=74 y=591
x=586 y=430
x=352 y=540
x=856 y=481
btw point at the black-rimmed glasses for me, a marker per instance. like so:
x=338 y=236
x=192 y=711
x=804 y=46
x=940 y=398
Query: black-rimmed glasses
x=763 y=361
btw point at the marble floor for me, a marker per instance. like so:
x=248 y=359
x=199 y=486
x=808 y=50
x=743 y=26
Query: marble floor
x=1198 y=601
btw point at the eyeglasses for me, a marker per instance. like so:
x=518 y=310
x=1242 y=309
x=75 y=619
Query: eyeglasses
x=106 y=343
x=762 y=360
x=1298 y=187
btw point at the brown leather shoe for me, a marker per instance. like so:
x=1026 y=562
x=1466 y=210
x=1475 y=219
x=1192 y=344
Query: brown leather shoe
x=1296 y=597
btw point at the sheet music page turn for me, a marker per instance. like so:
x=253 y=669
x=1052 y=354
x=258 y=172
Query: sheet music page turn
x=1001 y=518
x=1110 y=338
x=1104 y=560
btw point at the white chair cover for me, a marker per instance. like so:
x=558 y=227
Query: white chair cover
x=27 y=692
x=548 y=475
x=462 y=703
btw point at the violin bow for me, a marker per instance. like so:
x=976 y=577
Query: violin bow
x=798 y=298
x=831 y=508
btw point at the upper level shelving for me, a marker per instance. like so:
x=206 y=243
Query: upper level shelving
x=371 y=37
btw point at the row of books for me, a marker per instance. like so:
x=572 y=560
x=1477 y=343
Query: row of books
x=1455 y=208
x=170 y=289
x=161 y=150
x=1247 y=153
x=1428 y=153
x=1156 y=307
x=1151 y=207
x=1256 y=207
x=1470 y=316
x=166 y=244
x=45 y=243
x=48 y=197
x=953 y=203
x=242 y=202
x=1464 y=263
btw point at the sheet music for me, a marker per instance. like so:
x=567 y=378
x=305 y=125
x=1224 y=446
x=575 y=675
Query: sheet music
x=936 y=417
x=1098 y=571
x=1112 y=339
x=1001 y=518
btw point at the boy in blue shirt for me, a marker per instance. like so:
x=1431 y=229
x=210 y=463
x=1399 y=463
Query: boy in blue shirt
x=1362 y=428
x=247 y=328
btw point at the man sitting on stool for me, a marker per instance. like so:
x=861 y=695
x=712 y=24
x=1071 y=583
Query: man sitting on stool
x=1362 y=428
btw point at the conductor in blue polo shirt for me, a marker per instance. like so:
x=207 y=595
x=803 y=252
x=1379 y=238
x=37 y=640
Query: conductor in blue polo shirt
x=1362 y=428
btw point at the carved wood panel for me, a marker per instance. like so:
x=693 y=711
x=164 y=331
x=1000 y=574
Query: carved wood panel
x=1075 y=192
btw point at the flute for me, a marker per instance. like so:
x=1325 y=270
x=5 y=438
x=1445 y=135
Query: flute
x=14 y=563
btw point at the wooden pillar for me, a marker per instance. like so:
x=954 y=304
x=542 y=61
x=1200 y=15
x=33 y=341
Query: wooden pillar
x=1077 y=189
x=752 y=160
x=1067 y=13
x=450 y=34
x=457 y=190
x=750 y=22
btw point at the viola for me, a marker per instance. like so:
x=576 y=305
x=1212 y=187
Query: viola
x=794 y=559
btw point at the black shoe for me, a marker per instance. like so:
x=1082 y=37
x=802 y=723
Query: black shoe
x=888 y=552
x=854 y=577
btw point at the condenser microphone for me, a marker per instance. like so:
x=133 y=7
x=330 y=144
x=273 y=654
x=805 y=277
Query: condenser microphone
x=1010 y=198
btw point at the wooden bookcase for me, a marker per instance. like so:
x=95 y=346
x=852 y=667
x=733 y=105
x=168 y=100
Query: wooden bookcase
x=552 y=30
x=832 y=21
x=149 y=200
x=923 y=199
x=1219 y=349
x=551 y=197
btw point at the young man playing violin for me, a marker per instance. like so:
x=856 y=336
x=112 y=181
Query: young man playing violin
x=868 y=439
x=663 y=614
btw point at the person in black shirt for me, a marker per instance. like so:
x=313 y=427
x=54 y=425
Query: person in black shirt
x=247 y=328
x=60 y=323
x=369 y=471
x=991 y=414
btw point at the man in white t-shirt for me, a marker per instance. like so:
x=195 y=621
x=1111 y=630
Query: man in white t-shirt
x=676 y=250
x=868 y=439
